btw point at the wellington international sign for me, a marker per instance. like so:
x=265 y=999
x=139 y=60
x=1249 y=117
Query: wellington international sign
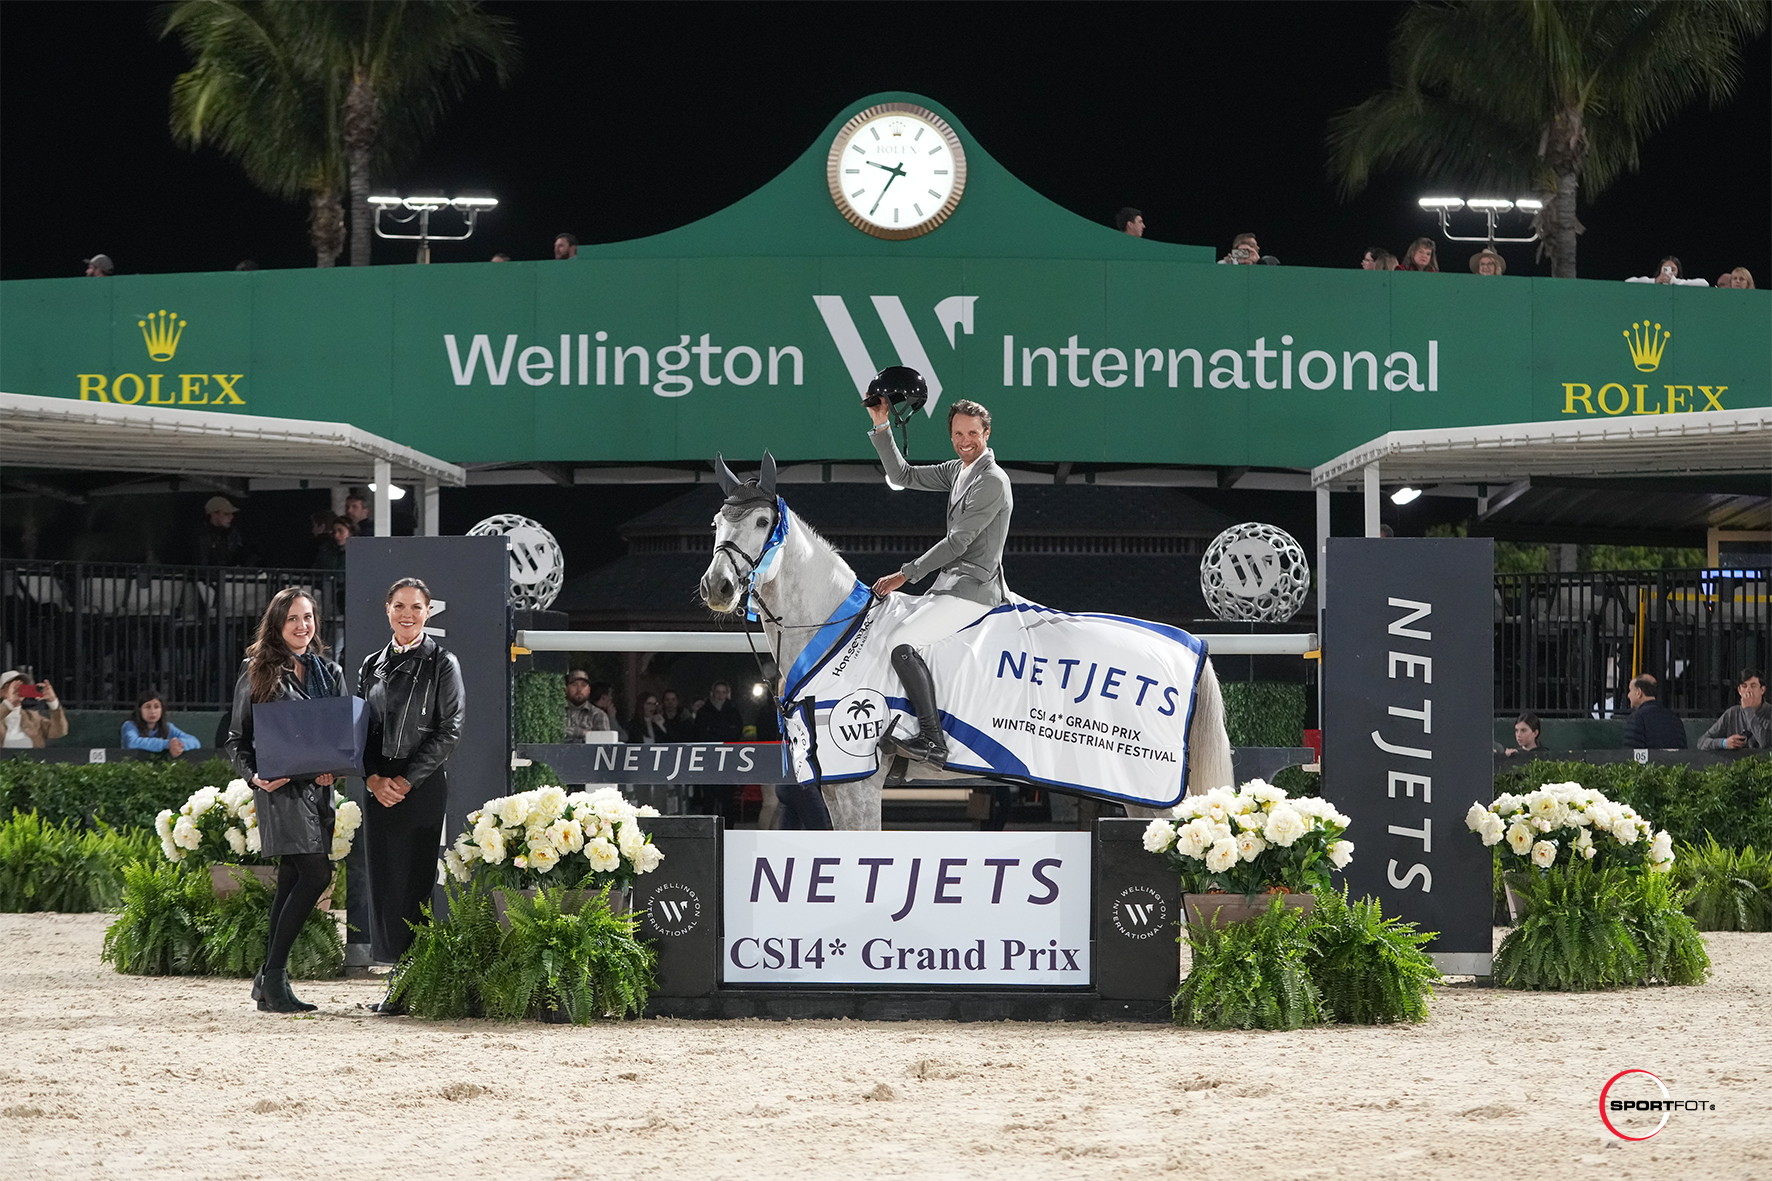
x=756 y=327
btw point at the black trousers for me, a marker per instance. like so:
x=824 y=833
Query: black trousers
x=400 y=849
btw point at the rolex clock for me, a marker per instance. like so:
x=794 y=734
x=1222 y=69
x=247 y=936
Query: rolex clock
x=896 y=170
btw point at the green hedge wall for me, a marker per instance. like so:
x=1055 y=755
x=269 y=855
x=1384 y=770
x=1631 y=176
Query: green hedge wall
x=538 y=715
x=123 y=795
x=1729 y=801
x=1263 y=713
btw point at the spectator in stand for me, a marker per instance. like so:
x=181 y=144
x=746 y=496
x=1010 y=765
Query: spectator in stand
x=588 y=706
x=1668 y=272
x=22 y=727
x=330 y=555
x=501 y=256
x=1369 y=260
x=149 y=729
x=719 y=720
x=1383 y=260
x=1130 y=221
x=1527 y=727
x=565 y=246
x=1422 y=255
x=1744 y=279
x=320 y=526
x=100 y=266
x=218 y=540
x=246 y=264
x=1747 y=726
x=1245 y=251
x=679 y=723
x=1488 y=261
x=1651 y=725
x=357 y=512
x=648 y=724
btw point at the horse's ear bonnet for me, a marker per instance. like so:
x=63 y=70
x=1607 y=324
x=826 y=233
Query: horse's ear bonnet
x=722 y=473
x=739 y=491
x=766 y=479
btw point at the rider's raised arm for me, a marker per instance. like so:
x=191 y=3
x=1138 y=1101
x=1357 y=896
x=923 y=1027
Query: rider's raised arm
x=930 y=477
x=983 y=501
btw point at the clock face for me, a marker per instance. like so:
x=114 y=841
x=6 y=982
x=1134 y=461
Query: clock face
x=896 y=170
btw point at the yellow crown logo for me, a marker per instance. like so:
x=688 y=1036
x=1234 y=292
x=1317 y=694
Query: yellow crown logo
x=162 y=331
x=1646 y=346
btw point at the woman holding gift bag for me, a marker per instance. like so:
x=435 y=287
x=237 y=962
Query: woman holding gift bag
x=287 y=660
x=416 y=703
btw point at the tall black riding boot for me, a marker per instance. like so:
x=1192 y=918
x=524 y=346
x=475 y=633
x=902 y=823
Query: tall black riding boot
x=930 y=745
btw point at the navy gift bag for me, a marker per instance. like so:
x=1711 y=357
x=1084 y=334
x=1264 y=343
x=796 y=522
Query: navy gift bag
x=299 y=738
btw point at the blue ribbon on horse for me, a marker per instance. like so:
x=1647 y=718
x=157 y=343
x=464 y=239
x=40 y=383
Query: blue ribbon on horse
x=768 y=557
x=828 y=638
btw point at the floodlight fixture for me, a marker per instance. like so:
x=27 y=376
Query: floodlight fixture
x=1405 y=495
x=1529 y=204
x=1489 y=207
x=420 y=209
x=757 y=690
x=1441 y=202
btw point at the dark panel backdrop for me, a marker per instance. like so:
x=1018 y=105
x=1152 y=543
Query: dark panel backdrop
x=1408 y=674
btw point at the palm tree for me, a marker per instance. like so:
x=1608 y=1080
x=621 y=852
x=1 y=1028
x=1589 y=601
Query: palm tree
x=254 y=95
x=400 y=65
x=1546 y=96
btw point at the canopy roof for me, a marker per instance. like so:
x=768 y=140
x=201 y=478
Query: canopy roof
x=67 y=434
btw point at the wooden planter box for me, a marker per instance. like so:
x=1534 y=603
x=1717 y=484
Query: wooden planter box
x=1225 y=909
x=226 y=880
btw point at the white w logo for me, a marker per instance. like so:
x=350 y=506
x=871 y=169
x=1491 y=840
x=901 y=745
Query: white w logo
x=1139 y=912
x=673 y=911
x=953 y=312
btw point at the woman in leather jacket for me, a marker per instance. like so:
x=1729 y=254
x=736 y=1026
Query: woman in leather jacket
x=416 y=703
x=294 y=815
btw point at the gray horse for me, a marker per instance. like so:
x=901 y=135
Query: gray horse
x=812 y=581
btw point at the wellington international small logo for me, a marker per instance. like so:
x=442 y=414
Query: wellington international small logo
x=161 y=330
x=1646 y=345
x=1631 y=1109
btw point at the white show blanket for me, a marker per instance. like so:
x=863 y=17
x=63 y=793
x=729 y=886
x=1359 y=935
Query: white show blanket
x=1092 y=703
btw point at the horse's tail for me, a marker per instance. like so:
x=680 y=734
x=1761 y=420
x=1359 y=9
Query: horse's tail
x=1208 y=745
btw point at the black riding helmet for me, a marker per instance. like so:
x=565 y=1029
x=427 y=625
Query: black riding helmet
x=896 y=384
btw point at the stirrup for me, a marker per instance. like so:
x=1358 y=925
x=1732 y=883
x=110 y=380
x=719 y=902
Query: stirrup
x=918 y=749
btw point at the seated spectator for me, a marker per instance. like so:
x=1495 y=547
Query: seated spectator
x=1369 y=260
x=357 y=512
x=1245 y=251
x=501 y=256
x=22 y=726
x=1668 y=272
x=1747 y=726
x=565 y=246
x=100 y=266
x=218 y=540
x=648 y=724
x=1488 y=261
x=679 y=722
x=1422 y=255
x=330 y=555
x=1744 y=279
x=1384 y=260
x=1651 y=725
x=719 y=720
x=1527 y=727
x=588 y=706
x=149 y=729
x=320 y=525
x=1726 y=280
x=1130 y=221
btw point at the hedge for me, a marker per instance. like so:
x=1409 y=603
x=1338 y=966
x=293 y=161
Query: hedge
x=122 y=795
x=1263 y=713
x=1731 y=802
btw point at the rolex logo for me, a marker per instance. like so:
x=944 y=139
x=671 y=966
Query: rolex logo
x=161 y=330
x=1645 y=345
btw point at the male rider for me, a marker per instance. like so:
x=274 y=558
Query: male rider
x=969 y=559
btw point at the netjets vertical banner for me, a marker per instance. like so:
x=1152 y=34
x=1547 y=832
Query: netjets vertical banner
x=1408 y=688
x=907 y=908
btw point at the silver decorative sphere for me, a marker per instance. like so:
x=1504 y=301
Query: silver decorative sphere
x=538 y=568
x=1255 y=572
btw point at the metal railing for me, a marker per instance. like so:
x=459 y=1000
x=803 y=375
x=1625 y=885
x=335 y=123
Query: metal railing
x=105 y=632
x=1567 y=645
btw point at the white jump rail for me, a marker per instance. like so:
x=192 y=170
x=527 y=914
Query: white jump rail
x=1217 y=643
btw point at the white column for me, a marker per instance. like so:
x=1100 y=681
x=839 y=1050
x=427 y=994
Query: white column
x=1372 y=491
x=1322 y=550
x=432 y=521
x=339 y=493
x=384 y=499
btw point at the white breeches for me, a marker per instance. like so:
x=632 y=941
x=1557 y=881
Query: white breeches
x=936 y=617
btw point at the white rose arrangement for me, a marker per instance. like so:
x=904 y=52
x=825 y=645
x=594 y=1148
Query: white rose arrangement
x=1564 y=822
x=547 y=837
x=220 y=824
x=1252 y=839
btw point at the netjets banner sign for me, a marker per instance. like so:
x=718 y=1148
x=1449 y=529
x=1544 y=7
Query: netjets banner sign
x=907 y=908
x=628 y=360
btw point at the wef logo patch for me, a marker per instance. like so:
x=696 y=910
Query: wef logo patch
x=675 y=910
x=858 y=721
x=1140 y=912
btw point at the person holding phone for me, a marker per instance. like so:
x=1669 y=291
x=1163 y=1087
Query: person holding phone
x=286 y=660
x=149 y=729
x=1245 y=251
x=26 y=728
x=1747 y=726
x=1668 y=272
x=416 y=706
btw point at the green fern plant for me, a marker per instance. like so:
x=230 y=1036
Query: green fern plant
x=239 y=928
x=1369 y=970
x=439 y=976
x=582 y=964
x=1252 y=975
x=62 y=867
x=1673 y=950
x=160 y=925
x=1573 y=937
x=1730 y=890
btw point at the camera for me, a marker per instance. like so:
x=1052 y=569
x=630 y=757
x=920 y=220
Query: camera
x=1242 y=254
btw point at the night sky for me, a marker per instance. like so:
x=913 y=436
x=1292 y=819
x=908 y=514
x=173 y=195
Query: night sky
x=1209 y=117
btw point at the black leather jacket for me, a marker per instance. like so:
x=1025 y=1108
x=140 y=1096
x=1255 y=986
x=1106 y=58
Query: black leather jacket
x=240 y=750
x=416 y=705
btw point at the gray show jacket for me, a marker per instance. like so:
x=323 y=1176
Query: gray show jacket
x=970 y=557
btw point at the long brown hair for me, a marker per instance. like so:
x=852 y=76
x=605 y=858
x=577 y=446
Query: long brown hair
x=268 y=657
x=1433 y=256
x=162 y=728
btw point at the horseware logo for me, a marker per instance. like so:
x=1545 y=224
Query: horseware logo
x=953 y=313
x=1646 y=345
x=161 y=331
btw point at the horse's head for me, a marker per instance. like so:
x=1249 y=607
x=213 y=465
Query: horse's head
x=741 y=528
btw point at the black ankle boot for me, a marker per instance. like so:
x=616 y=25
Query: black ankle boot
x=279 y=998
x=930 y=745
x=258 y=985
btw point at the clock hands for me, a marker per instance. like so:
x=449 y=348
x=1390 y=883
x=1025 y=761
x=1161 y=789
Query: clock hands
x=897 y=171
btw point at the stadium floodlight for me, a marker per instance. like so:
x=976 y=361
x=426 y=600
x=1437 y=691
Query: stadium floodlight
x=420 y=209
x=1489 y=207
x=1405 y=495
x=395 y=492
